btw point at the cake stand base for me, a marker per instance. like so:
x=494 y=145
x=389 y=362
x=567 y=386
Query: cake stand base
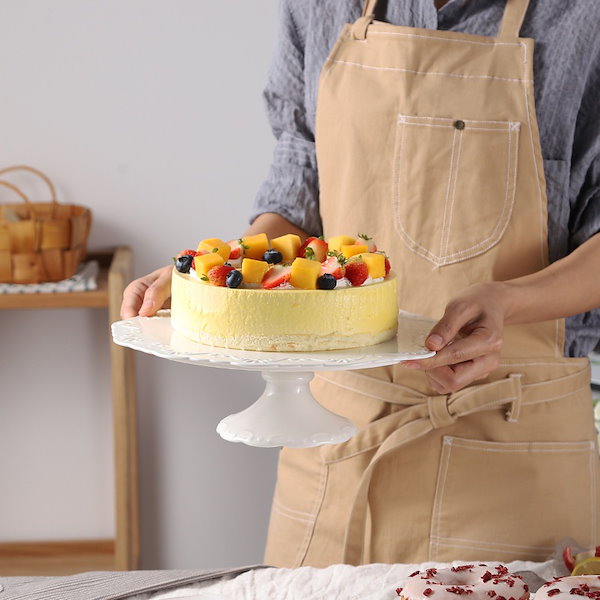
x=286 y=414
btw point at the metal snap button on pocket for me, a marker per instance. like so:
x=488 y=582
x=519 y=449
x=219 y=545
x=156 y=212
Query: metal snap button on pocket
x=459 y=124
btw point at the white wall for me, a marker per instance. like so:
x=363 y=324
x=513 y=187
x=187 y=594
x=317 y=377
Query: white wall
x=150 y=113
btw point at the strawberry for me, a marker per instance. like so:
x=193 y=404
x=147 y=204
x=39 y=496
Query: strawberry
x=218 y=275
x=333 y=267
x=568 y=558
x=191 y=253
x=387 y=266
x=236 y=249
x=275 y=276
x=304 y=244
x=314 y=249
x=363 y=238
x=357 y=272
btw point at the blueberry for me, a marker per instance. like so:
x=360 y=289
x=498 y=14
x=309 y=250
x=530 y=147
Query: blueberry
x=272 y=257
x=184 y=263
x=233 y=279
x=326 y=282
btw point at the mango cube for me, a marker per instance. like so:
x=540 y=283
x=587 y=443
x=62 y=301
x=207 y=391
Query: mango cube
x=305 y=273
x=354 y=249
x=288 y=245
x=253 y=270
x=337 y=241
x=375 y=264
x=255 y=245
x=204 y=262
x=215 y=245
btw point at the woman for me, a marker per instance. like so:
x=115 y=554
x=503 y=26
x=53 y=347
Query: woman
x=427 y=137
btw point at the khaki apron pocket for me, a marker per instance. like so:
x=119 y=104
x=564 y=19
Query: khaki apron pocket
x=477 y=514
x=454 y=185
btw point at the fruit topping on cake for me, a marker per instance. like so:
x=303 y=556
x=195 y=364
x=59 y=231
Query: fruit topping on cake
x=218 y=275
x=272 y=256
x=314 y=249
x=286 y=262
x=364 y=239
x=334 y=265
x=288 y=245
x=215 y=246
x=357 y=271
x=254 y=246
x=253 y=270
x=276 y=276
x=326 y=282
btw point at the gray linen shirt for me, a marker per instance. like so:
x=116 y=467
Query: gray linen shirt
x=567 y=94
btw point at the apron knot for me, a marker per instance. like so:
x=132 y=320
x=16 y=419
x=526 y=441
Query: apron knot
x=439 y=411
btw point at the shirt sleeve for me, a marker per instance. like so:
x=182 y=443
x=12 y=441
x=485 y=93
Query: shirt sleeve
x=291 y=188
x=584 y=220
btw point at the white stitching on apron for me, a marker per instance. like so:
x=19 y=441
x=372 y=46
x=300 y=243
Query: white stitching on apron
x=451 y=185
x=401 y=70
x=318 y=501
x=447 y=39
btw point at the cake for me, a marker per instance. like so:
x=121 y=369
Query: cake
x=284 y=294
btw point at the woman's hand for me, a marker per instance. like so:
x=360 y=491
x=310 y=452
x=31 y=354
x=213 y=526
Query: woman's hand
x=147 y=295
x=468 y=338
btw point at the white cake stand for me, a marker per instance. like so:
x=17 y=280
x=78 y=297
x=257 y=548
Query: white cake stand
x=286 y=414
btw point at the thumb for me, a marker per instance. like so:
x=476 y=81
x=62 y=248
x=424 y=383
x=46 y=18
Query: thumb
x=456 y=316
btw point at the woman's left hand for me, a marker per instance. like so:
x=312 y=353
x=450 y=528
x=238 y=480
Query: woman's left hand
x=468 y=338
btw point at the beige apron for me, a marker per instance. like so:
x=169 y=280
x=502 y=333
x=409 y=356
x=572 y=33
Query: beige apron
x=428 y=140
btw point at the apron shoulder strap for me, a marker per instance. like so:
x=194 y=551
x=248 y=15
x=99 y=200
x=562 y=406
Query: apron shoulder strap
x=514 y=13
x=369 y=7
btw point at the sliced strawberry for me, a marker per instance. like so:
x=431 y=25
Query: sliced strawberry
x=364 y=239
x=236 y=249
x=187 y=252
x=357 y=272
x=387 y=266
x=276 y=275
x=333 y=267
x=218 y=275
x=304 y=244
x=568 y=558
x=315 y=249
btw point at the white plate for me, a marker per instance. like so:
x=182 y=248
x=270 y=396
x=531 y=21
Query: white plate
x=154 y=335
x=286 y=414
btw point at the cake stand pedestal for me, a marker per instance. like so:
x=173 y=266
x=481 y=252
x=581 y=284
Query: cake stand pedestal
x=286 y=414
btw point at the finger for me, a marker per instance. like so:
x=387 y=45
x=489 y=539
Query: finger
x=134 y=295
x=157 y=293
x=445 y=380
x=480 y=342
x=456 y=316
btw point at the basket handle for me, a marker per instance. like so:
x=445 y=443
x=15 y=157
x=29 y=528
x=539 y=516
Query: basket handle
x=39 y=174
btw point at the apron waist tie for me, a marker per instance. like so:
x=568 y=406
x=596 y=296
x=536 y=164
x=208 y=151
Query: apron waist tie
x=426 y=413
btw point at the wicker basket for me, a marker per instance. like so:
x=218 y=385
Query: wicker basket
x=40 y=241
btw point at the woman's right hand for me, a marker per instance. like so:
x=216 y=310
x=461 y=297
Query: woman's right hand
x=147 y=295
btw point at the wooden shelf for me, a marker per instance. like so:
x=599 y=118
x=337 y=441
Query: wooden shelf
x=122 y=553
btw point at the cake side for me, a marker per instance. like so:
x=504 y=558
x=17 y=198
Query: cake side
x=284 y=319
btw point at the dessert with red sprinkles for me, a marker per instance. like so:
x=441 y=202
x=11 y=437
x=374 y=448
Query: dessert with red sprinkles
x=586 y=586
x=475 y=582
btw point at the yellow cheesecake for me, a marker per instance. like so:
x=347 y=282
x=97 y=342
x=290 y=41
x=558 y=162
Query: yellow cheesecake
x=284 y=319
